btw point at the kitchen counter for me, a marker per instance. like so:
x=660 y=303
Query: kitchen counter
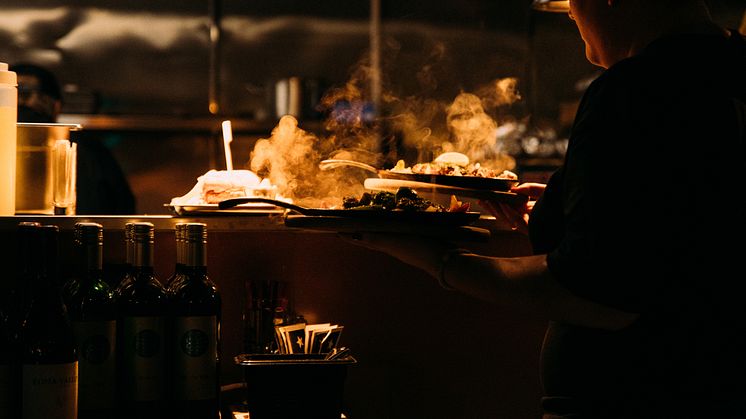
x=422 y=351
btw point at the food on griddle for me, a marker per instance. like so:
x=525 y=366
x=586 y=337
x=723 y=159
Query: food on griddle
x=458 y=206
x=219 y=185
x=385 y=200
x=224 y=184
x=405 y=199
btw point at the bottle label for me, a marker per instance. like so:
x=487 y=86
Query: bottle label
x=50 y=391
x=9 y=396
x=195 y=358
x=96 y=342
x=142 y=355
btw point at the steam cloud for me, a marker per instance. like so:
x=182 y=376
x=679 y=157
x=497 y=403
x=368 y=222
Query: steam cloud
x=290 y=157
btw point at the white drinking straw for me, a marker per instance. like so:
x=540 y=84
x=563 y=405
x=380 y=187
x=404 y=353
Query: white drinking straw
x=227 y=139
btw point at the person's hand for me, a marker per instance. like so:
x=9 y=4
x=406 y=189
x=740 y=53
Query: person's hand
x=515 y=216
x=532 y=191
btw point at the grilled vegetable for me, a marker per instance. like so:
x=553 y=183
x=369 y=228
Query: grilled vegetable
x=405 y=199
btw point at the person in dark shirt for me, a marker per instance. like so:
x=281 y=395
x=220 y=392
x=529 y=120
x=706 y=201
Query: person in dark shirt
x=638 y=237
x=101 y=186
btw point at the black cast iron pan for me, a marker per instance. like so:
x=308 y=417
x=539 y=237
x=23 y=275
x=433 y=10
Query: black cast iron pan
x=437 y=218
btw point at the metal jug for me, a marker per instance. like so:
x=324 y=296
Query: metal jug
x=45 y=168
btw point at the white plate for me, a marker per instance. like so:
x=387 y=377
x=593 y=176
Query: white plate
x=249 y=208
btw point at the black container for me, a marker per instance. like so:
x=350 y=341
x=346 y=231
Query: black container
x=284 y=386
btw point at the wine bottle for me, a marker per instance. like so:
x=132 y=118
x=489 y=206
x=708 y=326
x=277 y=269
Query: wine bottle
x=91 y=307
x=19 y=295
x=9 y=370
x=141 y=323
x=75 y=275
x=129 y=252
x=13 y=310
x=195 y=349
x=49 y=381
x=179 y=265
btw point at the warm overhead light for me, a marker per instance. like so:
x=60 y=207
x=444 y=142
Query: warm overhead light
x=556 y=6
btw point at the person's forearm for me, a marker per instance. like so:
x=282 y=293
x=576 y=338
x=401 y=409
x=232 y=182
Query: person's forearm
x=526 y=284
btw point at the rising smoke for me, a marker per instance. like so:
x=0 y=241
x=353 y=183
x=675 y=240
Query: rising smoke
x=359 y=130
x=290 y=157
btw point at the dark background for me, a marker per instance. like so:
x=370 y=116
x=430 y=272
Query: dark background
x=137 y=74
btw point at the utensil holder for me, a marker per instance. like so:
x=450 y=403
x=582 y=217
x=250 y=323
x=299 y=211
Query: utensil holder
x=284 y=386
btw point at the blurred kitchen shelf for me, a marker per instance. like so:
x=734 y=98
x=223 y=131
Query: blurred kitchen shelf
x=150 y=123
x=540 y=162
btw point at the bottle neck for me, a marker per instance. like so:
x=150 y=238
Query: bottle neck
x=47 y=259
x=91 y=260
x=179 y=256
x=129 y=252
x=142 y=258
x=195 y=255
x=45 y=270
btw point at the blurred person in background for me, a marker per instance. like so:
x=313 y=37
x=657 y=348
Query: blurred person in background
x=102 y=187
x=638 y=236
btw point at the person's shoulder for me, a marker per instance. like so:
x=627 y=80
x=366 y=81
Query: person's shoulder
x=620 y=80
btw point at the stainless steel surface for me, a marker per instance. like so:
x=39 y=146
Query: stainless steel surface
x=35 y=167
x=556 y=6
x=337 y=353
x=161 y=222
x=67 y=127
x=222 y=223
x=335 y=163
x=176 y=58
x=157 y=123
x=267 y=360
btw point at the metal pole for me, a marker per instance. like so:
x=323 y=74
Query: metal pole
x=375 y=54
x=532 y=70
x=214 y=14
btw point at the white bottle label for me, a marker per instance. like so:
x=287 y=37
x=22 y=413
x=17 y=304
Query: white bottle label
x=96 y=342
x=195 y=358
x=142 y=352
x=8 y=391
x=7 y=152
x=50 y=391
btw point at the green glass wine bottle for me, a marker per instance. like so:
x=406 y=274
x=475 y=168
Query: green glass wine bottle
x=195 y=333
x=91 y=306
x=179 y=265
x=49 y=357
x=141 y=327
x=129 y=246
x=9 y=369
x=12 y=313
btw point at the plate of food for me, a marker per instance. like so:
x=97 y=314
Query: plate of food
x=450 y=169
x=469 y=175
x=404 y=206
x=218 y=185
